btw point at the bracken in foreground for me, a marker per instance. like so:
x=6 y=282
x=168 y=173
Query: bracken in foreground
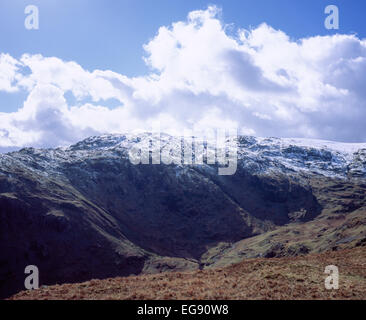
x=279 y=278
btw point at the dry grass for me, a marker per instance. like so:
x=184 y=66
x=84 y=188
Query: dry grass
x=284 y=278
x=318 y=235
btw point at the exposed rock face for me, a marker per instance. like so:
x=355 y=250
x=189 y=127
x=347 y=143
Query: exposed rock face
x=278 y=250
x=86 y=212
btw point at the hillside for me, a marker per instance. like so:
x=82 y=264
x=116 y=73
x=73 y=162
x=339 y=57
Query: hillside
x=283 y=278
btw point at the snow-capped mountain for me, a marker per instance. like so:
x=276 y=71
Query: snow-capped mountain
x=327 y=158
x=87 y=211
x=261 y=155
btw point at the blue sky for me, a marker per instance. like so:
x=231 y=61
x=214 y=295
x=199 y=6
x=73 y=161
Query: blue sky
x=110 y=34
x=283 y=80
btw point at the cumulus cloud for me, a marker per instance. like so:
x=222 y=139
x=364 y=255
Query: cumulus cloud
x=8 y=73
x=259 y=80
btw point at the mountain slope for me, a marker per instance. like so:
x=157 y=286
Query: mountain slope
x=284 y=278
x=87 y=212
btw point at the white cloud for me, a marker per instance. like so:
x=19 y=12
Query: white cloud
x=8 y=73
x=260 y=80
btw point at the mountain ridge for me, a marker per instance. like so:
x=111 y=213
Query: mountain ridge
x=86 y=211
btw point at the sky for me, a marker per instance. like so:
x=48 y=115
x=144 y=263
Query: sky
x=269 y=67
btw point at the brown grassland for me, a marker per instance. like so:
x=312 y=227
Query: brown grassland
x=299 y=277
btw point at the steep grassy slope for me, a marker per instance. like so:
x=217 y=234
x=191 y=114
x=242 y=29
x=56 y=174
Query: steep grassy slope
x=341 y=224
